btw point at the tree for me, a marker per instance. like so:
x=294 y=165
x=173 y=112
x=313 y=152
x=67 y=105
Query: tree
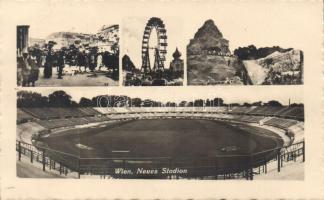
x=127 y=64
x=44 y=101
x=59 y=99
x=171 y=104
x=296 y=105
x=147 y=103
x=136 y=102
x=182 y=103
x=247 y=104
x=190 y=104
x=218 y=102
x=85 y=102
x=273 y=103
x=100 y=101
x=111 y=61
x=246 y=53
x=208 y=103
x=258 y=103
x=74 y=104
x=30 y=99
x=198 y=103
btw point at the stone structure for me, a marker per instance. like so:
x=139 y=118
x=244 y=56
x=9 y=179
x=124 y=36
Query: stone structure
x=209 y=38
x=209 y=60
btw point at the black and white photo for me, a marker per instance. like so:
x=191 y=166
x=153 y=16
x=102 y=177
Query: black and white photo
x=152 y=52
x=67 y=57
x=210 y=60
x=146 y=137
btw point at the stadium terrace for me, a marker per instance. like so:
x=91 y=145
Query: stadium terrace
x=222 y=142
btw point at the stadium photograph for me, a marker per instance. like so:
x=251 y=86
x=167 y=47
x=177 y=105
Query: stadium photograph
x=117 y=134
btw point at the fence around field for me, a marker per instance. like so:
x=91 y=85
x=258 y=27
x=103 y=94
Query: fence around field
x=219 y=167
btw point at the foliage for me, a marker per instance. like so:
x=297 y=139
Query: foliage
x=251 y=52
x=61 y=99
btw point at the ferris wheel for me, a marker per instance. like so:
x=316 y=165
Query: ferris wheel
x=160 y=49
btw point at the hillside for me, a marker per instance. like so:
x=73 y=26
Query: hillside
x=277 y=68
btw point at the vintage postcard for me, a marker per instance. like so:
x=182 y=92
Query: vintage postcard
x=162 y=100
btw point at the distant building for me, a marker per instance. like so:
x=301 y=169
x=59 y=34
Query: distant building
x=107 y=37
x=109 y=33
x=37 y=42
x=176 y=64
x=65 y=39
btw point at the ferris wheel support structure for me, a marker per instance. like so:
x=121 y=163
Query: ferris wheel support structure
x=159 y=51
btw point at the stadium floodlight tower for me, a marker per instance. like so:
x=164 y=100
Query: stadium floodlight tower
x=159 y=50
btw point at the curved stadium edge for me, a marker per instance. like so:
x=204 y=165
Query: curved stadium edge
x=115 y=115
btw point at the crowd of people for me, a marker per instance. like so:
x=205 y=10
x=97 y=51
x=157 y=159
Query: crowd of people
x=30 y=61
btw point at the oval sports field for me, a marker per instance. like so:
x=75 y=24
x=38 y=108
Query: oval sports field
x=145 y=148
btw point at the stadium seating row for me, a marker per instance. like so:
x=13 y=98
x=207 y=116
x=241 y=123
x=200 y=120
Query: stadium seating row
x=248 y=118
x=271 y=121
x=288 y=112
x=297 y=112
x=281 y=122
x=110 y=110
x=61 y=117
x=52 y=113
x=66 y=122
x=23 y=117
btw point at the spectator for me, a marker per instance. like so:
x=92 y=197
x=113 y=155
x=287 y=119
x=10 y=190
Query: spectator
x=60 y=63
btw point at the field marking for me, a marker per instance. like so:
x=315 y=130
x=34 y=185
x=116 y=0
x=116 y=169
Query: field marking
x=81 y=146
x=218 y=156
x=120 y=151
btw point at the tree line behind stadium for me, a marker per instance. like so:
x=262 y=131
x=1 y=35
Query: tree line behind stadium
x=61 y=99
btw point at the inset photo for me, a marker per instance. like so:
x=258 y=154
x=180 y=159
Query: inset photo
x=210 y=60
x=152 y=51
x=143 y=135
x=71 y=55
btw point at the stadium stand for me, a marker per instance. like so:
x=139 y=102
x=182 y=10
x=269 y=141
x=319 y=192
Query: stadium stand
x=287 y=122
x=25 y=131
x=248 y=119
x=23 y=117
x=66 y=122
x=54 y=113
x=298 y=131
x=89 y=111
x=241 y=110
x=281 y=123
x=52 y=118
x=41 y=113
x=294 y=112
